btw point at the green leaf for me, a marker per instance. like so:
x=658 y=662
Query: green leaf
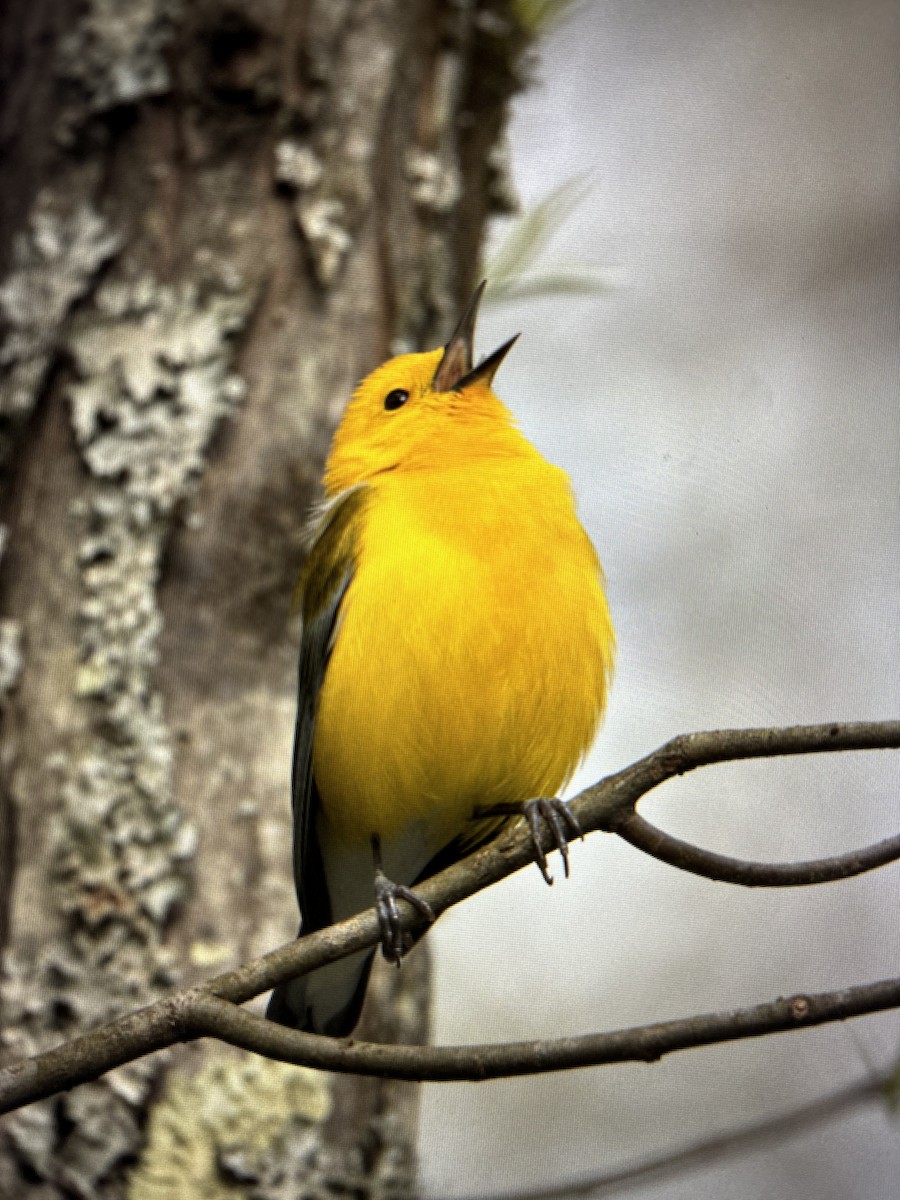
x=540 y=16
x=548 y=283
x=510 y=272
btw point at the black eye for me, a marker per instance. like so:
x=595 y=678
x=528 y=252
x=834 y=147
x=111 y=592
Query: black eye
x=395 y=399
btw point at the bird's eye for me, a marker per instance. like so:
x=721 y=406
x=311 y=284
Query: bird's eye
x=395 y=399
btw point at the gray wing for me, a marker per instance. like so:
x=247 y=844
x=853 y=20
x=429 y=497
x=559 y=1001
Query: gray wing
x=326 y=576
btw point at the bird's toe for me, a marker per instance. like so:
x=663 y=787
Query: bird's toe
x=394 y=943
x=562 y=824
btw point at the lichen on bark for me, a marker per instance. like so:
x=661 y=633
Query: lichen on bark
x=153 y=382
x=334 y=175
x=54 y=261
x=113 y=57
x=261 y=156
x=216 y=1130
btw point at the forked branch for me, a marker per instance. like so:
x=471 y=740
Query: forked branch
x=210 y=1009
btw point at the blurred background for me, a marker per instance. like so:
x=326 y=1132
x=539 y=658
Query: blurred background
x=726 y=404
x=215 y=219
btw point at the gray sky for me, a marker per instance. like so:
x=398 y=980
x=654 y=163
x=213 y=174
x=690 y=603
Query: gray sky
x=728 y=413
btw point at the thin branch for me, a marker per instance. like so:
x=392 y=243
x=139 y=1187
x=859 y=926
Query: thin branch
x=600 y=807
x=731 y=1142
x=199 y=1013
x=213 y=1017
x=641 y=834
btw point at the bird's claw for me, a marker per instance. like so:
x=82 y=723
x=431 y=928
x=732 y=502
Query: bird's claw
x=562 y=824
x=393 y=942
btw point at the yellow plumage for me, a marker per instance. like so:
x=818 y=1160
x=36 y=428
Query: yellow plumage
x=471 y=644
x=475 y=641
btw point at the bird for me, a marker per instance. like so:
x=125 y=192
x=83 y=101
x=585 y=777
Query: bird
x=455 y=655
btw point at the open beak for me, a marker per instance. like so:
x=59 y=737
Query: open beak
x=455 y=370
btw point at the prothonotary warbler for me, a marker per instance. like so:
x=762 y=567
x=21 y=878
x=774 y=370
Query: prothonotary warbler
x=455 y=653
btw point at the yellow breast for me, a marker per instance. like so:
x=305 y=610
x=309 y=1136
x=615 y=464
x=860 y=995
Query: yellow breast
x=473 y=651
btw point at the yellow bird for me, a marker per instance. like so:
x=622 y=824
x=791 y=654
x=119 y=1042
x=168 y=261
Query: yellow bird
x=455 y=655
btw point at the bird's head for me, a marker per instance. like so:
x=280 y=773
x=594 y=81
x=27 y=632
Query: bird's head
x=421 y=411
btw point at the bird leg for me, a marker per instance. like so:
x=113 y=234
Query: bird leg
x=387 y=893
x=555 y=814
x=562 y=824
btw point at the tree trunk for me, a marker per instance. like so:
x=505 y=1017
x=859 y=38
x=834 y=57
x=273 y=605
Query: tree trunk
x=214 y=219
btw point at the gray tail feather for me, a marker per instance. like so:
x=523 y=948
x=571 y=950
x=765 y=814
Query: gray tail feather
x=287 y=1003
x=328 y=1001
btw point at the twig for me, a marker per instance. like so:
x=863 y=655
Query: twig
x=642 y=1043
x=604 y=806
x=687 y=857
x=674 y=1162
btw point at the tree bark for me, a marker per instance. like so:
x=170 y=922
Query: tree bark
x=214 y=219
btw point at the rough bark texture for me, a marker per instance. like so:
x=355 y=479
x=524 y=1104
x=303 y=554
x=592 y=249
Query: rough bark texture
x=214 y=219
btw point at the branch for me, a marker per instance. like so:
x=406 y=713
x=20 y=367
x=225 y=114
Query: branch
x=213 y=1017
x=707 y=1150
x=604 y=806
x=639 y=833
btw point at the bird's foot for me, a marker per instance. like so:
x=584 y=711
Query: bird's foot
x=561 y=822
x=394 y=943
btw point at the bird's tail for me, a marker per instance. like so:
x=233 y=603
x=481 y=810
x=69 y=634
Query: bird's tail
x=328 y=1000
